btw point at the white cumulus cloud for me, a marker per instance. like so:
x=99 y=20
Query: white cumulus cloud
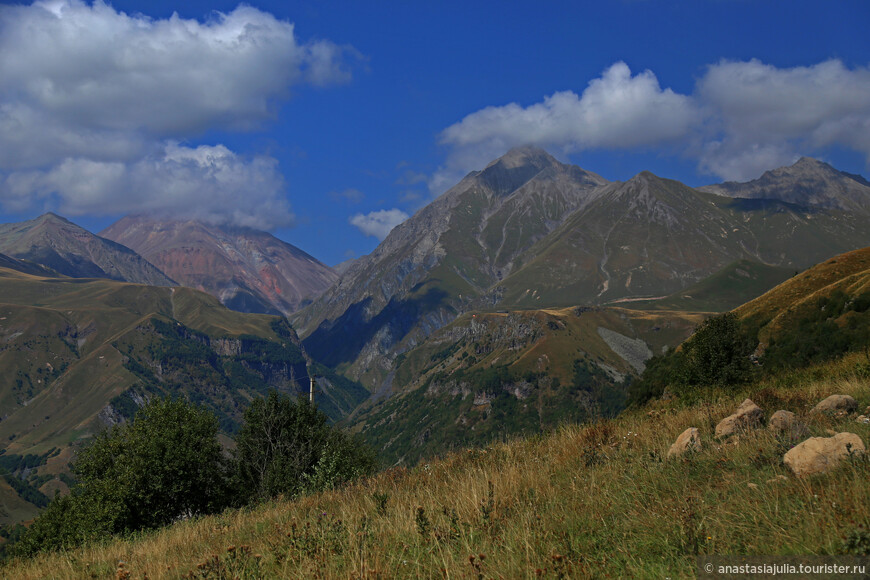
x=742 y=119
x=762 y=116
x=209 y=183
x=378 y=223
x=615 y=111
x=91 y=93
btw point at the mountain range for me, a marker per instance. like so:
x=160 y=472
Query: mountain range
x=530 y=232
x=78 y=355
x=530 y=293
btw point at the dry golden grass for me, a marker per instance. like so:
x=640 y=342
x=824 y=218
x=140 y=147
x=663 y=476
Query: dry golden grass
x=849 y=272
x=586 y=501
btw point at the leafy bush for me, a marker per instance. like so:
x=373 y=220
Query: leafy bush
x=717 y=354
x=286 y=447
x=166 y=464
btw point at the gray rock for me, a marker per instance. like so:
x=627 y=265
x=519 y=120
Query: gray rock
x=786 y=423
x=821 y=454
x=836 y=404
x=688 y=441
x=748 y=416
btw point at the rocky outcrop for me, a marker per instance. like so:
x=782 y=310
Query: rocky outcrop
x=821 y=454
x=634 y=351
x=689 y=441
x=748 y=416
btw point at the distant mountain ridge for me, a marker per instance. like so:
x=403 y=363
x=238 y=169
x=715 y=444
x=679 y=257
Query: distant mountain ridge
x=25 y=267
x=248 y=270
x=59 y=244
x=530 y=232
x=806 y=182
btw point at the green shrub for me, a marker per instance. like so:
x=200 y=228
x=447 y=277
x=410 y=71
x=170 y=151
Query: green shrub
x=164 y=465
x=286 y=447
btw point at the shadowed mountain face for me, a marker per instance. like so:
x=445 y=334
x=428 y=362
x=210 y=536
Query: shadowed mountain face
x=25 y=266
x=68 y=249
x=248 y=270
x=531 y=232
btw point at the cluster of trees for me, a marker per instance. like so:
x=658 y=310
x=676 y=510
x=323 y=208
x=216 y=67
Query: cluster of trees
x=167 y=464
x=716 y=355
x=835 y=325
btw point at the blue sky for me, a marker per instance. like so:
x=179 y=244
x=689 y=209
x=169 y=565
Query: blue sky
x=327 y=122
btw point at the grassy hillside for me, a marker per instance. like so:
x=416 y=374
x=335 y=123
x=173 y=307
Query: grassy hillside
x=488 y=376
x=77 y=355
x=586 y=501
x=732 y=286
x=779 y=311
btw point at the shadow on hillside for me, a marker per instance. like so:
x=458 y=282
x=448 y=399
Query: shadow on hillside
x=341 y=340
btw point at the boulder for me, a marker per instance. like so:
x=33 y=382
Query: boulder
x=688 y=441
x=748 y=416
x=821 y=454
x=786 y=423
x=836 y=404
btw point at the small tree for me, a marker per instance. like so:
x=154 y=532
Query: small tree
x=166 y=464
x=287 y=447
x=716 y=354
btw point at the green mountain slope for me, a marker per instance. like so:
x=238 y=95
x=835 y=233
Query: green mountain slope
x=442 y=262
x=734 y=285
x=818 y=314
x=530 y=232
x=652 y=237
x=486 y=376
x=79 y=354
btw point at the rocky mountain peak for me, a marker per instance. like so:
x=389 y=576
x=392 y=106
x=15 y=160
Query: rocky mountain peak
x=526 y=155
x=644 y=177
x=52 y=217
x=515 y=168
x=57 y=243
x=248 y=270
